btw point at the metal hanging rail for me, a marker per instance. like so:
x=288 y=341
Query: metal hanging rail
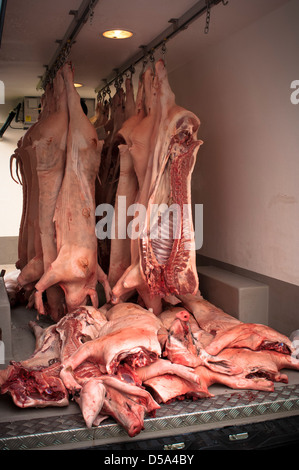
x=85 y=11
x=177 y=25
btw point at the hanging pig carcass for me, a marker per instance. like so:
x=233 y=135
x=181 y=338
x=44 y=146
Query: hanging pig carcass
x=163 y=149
x=76 y=267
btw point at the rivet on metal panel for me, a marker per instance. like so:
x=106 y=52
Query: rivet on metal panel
x=238 y=437
x=176 y=446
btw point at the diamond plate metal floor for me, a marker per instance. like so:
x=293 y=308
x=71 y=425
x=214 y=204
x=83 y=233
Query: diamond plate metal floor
x=69 y=431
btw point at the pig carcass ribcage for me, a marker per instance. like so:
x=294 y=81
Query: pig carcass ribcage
x=167 y=246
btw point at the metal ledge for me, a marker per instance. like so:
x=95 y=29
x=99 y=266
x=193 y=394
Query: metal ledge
x=69 y=431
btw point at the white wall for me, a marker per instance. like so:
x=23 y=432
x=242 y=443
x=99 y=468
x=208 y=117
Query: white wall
x=247 y=171
x=11 y=199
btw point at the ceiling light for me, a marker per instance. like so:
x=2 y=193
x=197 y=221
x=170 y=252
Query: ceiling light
x=117 y=34
x=78 y=85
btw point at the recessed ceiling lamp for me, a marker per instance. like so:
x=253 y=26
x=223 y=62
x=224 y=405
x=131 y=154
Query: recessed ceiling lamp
x=117 y=34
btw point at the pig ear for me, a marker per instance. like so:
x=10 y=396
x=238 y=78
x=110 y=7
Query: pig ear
x=91 y=400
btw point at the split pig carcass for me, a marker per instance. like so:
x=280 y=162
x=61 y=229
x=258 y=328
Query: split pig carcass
x=58 y=159
x=76 y=267
x=163 y=145
x=41 y=158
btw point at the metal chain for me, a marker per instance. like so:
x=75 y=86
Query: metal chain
x=118 y=82
x=109 y=93
x=60 y=61
x=152 y=60
x=151 y=56
x=131 y=70
x=208 y=17
x=144 y=62
x=64 y=53
x=163 y=51
x=163 y=48
x=91 y=11
x=102 y=95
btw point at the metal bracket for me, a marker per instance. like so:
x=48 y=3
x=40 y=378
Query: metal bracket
x=74 y=13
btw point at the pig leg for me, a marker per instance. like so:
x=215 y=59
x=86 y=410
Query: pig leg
x=209 y=377
x=130 y=100
x=120 y=256
x=32 y=271
x=127 y=283
x=48 y=279
x=144 y=134
x=152 y=302
x=50 y=170
x=103 y=279
x=66 y=374
x=132 y=280
x=68 y=271
x=163 y=366
x=23 y=238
